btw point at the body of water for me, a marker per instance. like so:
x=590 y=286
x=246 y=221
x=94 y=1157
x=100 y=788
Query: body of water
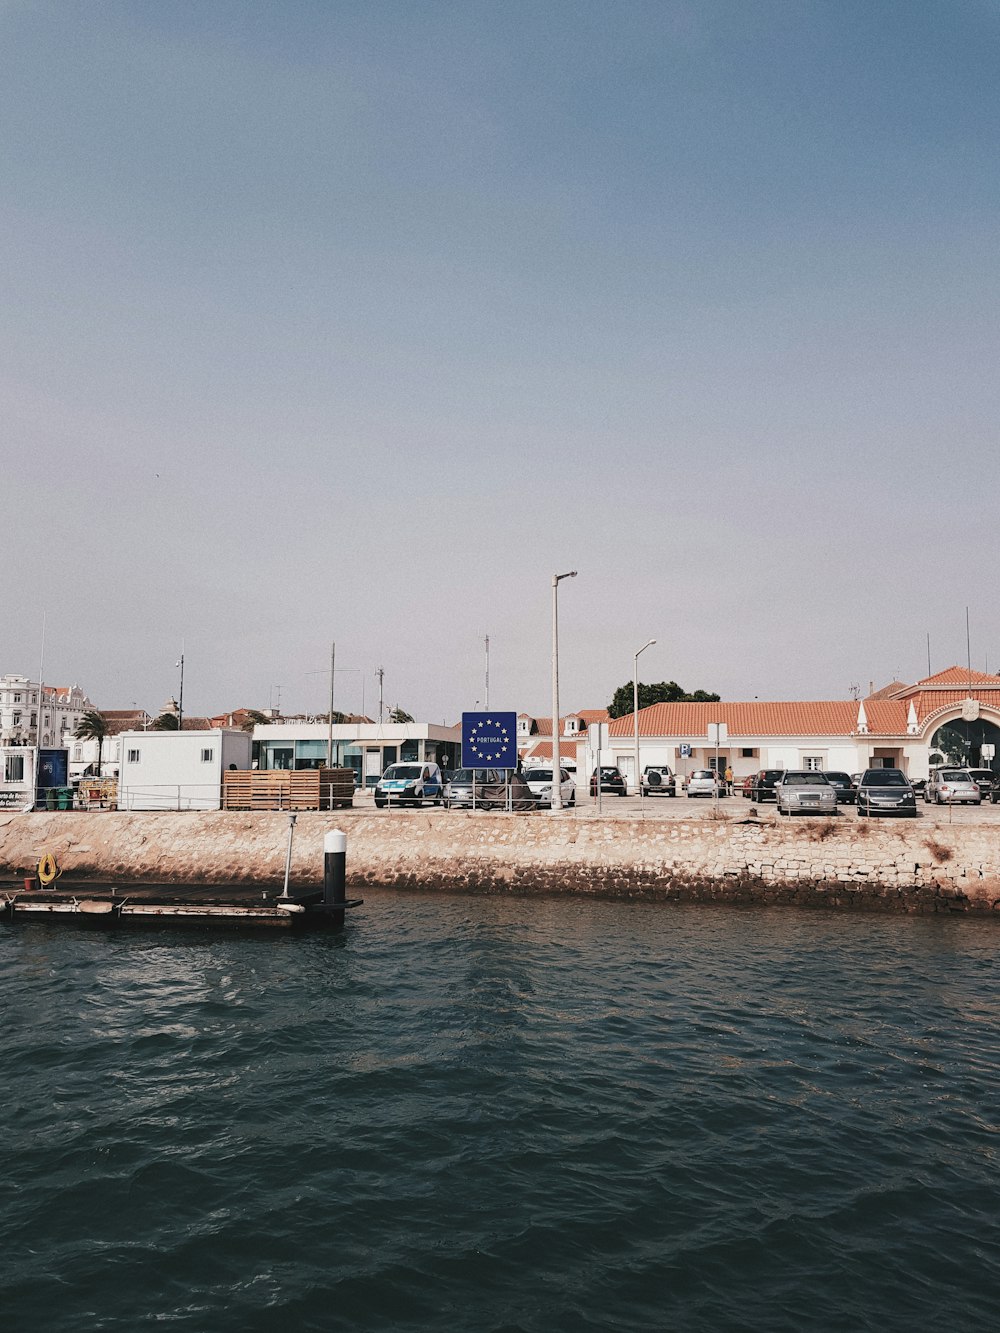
x=469 y=1114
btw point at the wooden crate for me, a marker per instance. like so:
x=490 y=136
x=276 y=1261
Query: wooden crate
x=288 y=789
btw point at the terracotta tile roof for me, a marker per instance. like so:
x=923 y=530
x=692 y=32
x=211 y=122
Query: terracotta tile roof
x=956 y=675
x=591 y=715
x=822 y=718
x=941 y=700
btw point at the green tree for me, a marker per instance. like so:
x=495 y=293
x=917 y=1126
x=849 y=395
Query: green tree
x=93 y=726
x=255 y=718
x=166 y=722
x=398 y=715
x=666 y=692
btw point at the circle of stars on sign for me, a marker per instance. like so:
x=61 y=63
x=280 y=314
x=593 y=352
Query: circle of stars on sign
x=487 y=755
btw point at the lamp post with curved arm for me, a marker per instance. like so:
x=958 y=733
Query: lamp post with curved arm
x=556 y=800
x=635 y=710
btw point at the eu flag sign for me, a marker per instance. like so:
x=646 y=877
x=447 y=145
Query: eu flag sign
x=489 y=740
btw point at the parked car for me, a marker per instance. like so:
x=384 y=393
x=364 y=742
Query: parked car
x=843 y=786
x=886 y=791
x=409 y=784
x=983 y=778
x=539 y=781
x=458 y=789
x=658 y=780
x=705 y=782
x=762 y=784
x=611 y=780
x=491 y=786
x=805 y=791
x=952 y=786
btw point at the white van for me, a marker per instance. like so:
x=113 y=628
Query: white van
x=409 y=784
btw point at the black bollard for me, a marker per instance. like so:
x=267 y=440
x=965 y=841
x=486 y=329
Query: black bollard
x=334 y=868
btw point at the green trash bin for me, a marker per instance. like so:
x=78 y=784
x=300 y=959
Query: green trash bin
x=65 y=798
x=50 y=798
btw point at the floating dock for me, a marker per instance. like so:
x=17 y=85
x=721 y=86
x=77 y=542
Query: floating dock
x=45 y=896
x=173 y=905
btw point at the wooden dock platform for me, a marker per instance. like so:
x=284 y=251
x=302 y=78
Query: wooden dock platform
x=120 y=904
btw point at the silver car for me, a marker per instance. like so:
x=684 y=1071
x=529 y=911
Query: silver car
x=952 y=786
x=704 y=782
x=805 y=791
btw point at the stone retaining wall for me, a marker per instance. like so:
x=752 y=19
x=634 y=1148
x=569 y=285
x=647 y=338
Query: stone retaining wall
x=920 y=866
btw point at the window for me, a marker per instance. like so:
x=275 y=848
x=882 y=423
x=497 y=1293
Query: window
x=133 y=756
x=17 y=719
x=34 y=720
x=14 y=768
x=17 y=698
x=748 y=754
x=206 y=756
x=812 y=762
x=77 y=754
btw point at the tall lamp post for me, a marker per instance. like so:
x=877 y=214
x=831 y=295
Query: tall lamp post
x=556 y=766
x=635 y=709
x=180 y=703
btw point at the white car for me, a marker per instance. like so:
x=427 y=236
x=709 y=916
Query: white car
x=540 y=782
x=704 y=782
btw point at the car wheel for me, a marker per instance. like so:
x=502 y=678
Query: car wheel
x=572 y=801
x=379 y=803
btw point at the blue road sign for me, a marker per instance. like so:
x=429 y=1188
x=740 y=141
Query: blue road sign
x=489 y=740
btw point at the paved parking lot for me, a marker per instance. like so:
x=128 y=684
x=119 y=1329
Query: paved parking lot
x=685 y=807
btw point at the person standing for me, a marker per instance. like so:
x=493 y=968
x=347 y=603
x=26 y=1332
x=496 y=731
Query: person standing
x=729 y=780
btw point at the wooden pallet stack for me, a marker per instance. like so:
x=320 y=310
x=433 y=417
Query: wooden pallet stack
x=287 y=789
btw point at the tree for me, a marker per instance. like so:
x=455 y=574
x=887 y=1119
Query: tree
x=398 y=715
x=93 y=726
x=255 y=718
x=666 y=692
x=166 y=722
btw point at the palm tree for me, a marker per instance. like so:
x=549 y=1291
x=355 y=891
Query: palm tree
x=166 y=722
x=93 y=726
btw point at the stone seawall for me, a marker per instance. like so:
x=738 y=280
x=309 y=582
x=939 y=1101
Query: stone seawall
x=921 y=866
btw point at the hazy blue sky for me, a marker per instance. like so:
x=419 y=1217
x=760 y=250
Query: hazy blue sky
x=358 y=321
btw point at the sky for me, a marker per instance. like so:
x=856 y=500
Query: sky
x=336 y=322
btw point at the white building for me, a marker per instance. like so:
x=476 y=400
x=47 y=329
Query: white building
x=178 y=770
x=24 y=722
x=951 y=717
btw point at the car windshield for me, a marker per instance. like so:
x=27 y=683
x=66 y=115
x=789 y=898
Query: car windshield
x=884 y=777
x=981 y=774
x=772 y=773
x=703 y=773
x=838 y=777
x=805 y=779
x=395 y=771
x=539 y=775
x=956 y=775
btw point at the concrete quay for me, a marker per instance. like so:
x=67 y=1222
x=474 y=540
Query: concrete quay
x=926 y=866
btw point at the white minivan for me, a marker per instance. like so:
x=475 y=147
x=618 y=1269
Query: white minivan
x=409 y=784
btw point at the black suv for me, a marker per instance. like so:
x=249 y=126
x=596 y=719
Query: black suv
x=611 y=780
x=886 y=791
x=983 y=778
x=762 y=786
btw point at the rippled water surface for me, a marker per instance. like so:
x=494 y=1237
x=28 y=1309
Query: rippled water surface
x=500 y=1115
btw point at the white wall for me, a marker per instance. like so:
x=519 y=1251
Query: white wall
x=166 y=770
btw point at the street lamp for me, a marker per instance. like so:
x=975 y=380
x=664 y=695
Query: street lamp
x=556 y=766
x=635 y=709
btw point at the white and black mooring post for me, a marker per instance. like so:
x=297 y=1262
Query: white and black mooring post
x=334 y=868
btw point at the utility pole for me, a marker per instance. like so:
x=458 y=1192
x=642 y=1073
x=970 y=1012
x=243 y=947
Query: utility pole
x=329 y=729
x=379 y=675
x=180 y=702
x=487 y=696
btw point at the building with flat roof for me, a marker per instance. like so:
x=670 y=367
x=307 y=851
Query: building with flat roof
x=367 y=747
